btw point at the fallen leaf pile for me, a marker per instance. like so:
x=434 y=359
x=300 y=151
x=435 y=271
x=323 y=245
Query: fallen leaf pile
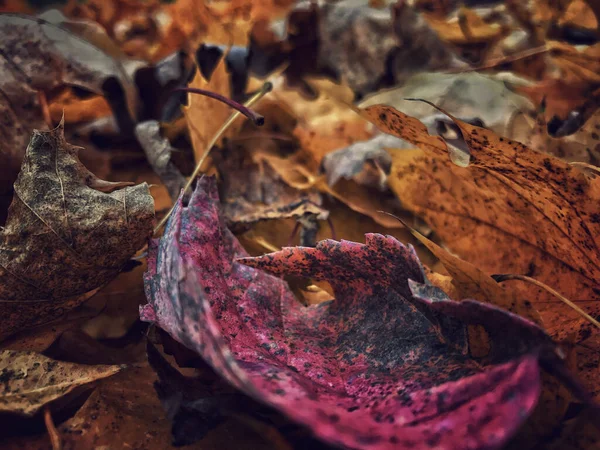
x=298 y=224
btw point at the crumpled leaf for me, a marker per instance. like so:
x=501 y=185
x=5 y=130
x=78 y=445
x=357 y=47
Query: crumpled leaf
x=383 y=366
x=38 y=56
x=540 y=214
x=365 y=201
x=158 y=151
x=65 y=235
x=30 y=380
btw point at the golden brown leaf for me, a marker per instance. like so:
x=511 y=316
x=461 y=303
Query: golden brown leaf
x=471 y=282
x=31 y=380
x=205 y=115
x=540 y=216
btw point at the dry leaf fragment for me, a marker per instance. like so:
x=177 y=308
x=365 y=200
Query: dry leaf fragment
x=158 y=151
x=357 y=158
x=381 y=367
x=65 y=234
x=30 y=380
x=40 y=56
x=253 y=191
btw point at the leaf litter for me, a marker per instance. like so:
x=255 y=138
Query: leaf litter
x=335 y=343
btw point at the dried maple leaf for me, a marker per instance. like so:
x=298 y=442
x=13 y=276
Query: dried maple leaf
x=383 y=366
x=65 y=235
x=205 y=115
x=31 y=380
x=471 y=282
x=539 y=214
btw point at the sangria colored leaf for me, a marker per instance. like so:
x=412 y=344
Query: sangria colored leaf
x=66 y=234
x=384 y=366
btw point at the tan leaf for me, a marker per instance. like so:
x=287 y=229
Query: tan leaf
x=31 y=380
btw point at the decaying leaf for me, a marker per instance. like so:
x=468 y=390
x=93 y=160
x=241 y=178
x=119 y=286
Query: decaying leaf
x=66 y=233
x=158 y=151
x=383 y=366
x=253 y=191
x=30 y=380
x=540 y=214
x=38 y=56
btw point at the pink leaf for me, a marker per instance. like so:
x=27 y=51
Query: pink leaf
x=385 y=365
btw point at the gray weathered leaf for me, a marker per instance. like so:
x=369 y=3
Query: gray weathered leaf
x=65 y=235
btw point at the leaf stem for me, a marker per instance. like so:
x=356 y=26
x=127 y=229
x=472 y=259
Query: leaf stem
x=245 y=110
x=506 y=277
x=266 y=88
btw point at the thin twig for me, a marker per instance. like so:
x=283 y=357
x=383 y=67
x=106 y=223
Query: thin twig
x=52 y=431
x=504 y=60
x=581 y=312
x=266 y=88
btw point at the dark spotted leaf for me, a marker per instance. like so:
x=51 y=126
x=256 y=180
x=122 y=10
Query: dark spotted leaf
x=67 y=233
x=30 y=380
x=385 y=365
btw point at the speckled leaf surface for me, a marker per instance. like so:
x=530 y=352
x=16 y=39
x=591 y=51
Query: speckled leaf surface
x=66 y=233
x=386 y=365
x=30 y=380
